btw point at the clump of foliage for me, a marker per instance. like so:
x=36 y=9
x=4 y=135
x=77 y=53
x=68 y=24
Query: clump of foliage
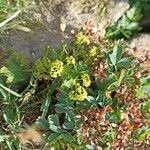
x=91 y=95
x=144 y=4
x=129 y=23
x=86 y=97
x=15 y=67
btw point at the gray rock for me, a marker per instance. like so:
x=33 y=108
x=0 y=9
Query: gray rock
x=51 y=13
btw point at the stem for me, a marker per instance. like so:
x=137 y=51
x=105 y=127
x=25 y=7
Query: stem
x=10 y=91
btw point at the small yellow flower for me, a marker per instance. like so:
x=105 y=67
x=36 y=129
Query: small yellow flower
x=86 y=80
x=70 y=60
x=81 y=39
x=93 y=51
x=78 y=94
x=56 y=68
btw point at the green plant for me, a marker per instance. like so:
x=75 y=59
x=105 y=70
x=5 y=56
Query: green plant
x=86 y=96
x=128 y=24
x=144 y=4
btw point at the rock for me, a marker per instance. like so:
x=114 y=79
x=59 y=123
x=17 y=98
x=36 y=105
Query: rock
x=141 y=41
x=32 y=43
x=50 y=15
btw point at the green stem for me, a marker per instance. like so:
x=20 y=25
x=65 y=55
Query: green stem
x=10 y=91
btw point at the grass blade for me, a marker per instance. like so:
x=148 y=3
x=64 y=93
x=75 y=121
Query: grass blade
x=10 y=91
x=46 y=104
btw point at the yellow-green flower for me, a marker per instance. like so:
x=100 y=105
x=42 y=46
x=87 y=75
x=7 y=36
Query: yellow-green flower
x=81 y=39
x=78 y=94
x=70 y=60
x=93 y=51
x=86 y=80
x=56 y=68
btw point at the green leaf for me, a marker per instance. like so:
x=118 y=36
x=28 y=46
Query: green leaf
x=53 y=128
x=8 y=120
x=130 y=81
x=145 y=81
x=109 y=135
x=67 y=137
x=68 y=126
x=43 y=123
x=122 y=76
x=11 y=114
x=46 y=103
x=128 y=24
x=15 y=69
x=61 y=108
x=3 y=137
x=70 y=117
x=131 y=13
x=114 y=116
x=144 y=89
x=132 y=25
x=53 y=119
x=108 y=81
x=116 y=55
x=143 y=132
x=3 y=94
x=68 y=83
x=146 y=106
x=124 y=62
x=53 y=137
x=115 y=103
x=10 y=145
x=6 y=72
x=89 y=147
x=91 y=99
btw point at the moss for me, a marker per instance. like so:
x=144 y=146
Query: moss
x=21 y=59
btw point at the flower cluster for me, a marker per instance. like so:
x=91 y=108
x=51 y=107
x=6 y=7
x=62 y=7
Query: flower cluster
x=86 y=80
x=44 y=68
x=93 y=51
x=78 y=94
x=82 y=39
x=56 y=69
x=70 y=60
